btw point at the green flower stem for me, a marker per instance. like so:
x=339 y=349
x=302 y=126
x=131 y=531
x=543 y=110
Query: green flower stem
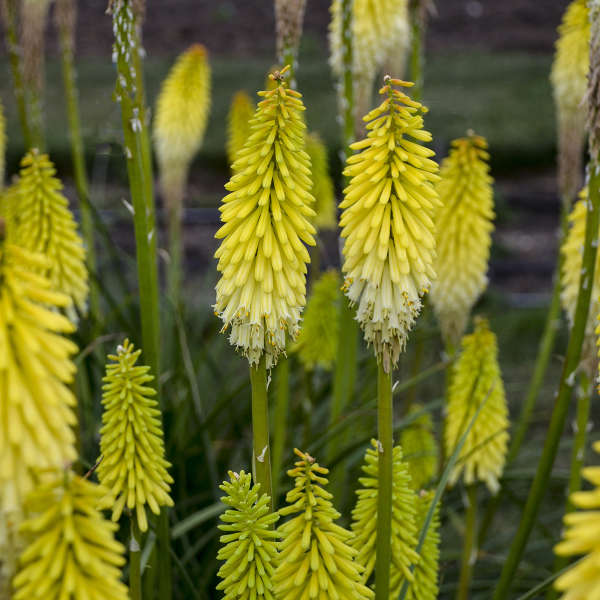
x=417 y=53
x=261 y=452
x=469 y=545
x=385 y=426
x=9 y=13
x=135 y=561
x=280 y=418
x=347 y=81
x=563 y=397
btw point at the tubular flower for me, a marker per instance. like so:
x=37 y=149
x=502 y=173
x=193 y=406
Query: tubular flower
x=72 y=551
x=387 y=223
x=404 y=528
x=262 y=258
x=476 y=379
x=317 y=341
x=572 y=260
x=316 y=559
x=582 y=580
x=322 y=187
x=11 y=545
x=36 y=404
x=420 y=448
x=463 y=234
x=425 y=583
x=133 y=466
x=46 y=225
x=238 y=124
x=181 y=116
x=250 y=549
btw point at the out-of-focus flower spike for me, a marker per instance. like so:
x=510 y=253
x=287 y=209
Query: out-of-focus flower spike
x=464 y=226
x=404 y=528
x=476 y=379
x=289 y=15
x=72 y=552
x=322 y=188
x=249 y=543
x=238 y=123
x=2 y=147
x=388 y=222
x=266 y=224
x=316 y=556
x=133 y=467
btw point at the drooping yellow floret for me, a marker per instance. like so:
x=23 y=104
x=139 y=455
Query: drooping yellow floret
x=316 y=558
x=420 y=448
x=45 y=224
x=387 y=223
x=322 y=188
x=181 y=116
x=72 y=552
x=404 y=529
x=572 y=253
x=133 y=467
x=262 y=259
x=476 y=379
x=250 y=549
x=238 y=124
x=582 y=580
x=425 y=576
x=463 y=234
x=36 y=403
x=318 y=339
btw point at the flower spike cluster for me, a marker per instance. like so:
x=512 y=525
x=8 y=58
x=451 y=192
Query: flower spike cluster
x=316 y=558
x=387 y=223
x=318 y=339
x=404 y=529
x=263 y=257
x=476 y=379
x=322 y=188
x=250 y=549
x=133 y=467
x=36 y=403
x=582 y=580
x=463 y=234
x=238 y=124
x=46 y=225
x=72 y=552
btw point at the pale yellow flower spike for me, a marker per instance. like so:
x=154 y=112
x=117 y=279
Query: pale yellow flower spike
x=72 y=552
x=580 y=537
x=476 y=379
x=36 y=403
x=263 y=257
x=387 y=223
x=45 y=224
x=463 y=234
x=133 y=466
x=238 y=123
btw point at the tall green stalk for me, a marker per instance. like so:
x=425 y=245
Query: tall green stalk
x=280 y=419
x=261 y=451
x=385 y=426
x=561 y=404
x=135 y=561
x=469 y=544
x=417 y=53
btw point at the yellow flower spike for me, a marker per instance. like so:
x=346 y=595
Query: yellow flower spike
x=72 y=552
x=238 y=124
x=318 y=338
x=425 y=582
x=420 y=448
x=45 y=224
x=266 y=216
x=182 y=113
x=463 y=234
x=404 y=530
x=322 y=188
x=316 y=559
x=11 y=545
x=476 y=378
x=582 y=580
x=387 y=222
x=36 y=403
x=249 y=547
x=133 y=467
